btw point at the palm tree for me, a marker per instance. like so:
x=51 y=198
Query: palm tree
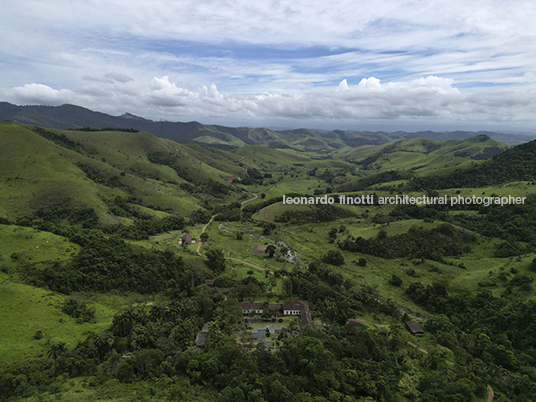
x=56 y=350
x=104 y=343
x=124 y=322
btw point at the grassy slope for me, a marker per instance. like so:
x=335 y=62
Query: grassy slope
x=125 y=150
x=33 y=245
x=310 y=240
x=38 y=173
x=222 y=160
x=27 y=309
x=269 y=158
x=423 y=155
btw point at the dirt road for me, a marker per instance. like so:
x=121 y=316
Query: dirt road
x=251 y=199
x=203 y=231
x=250 y=264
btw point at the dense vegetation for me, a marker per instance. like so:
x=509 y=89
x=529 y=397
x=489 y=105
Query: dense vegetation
x=512 y=223
x=516 y=164
x=416 y=243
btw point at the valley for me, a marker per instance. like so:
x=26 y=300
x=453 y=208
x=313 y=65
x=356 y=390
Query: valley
x=92 y=219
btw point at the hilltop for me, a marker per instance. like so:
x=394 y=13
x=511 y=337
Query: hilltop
x=50 y=168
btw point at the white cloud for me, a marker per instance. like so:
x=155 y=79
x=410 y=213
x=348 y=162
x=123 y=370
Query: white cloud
x=118 y=77
x=41 y=94
x=428 y=99
x=343 y=85
x=528 y=77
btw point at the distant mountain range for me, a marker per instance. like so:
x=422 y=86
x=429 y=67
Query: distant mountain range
x=72 y=116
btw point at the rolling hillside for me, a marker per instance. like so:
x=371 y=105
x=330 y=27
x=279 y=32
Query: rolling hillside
x=45 y=168
x=419 y=153
x=117 y=308
x=515 y=164
x=403 y=159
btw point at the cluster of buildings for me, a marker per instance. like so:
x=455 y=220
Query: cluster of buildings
x=286 y=308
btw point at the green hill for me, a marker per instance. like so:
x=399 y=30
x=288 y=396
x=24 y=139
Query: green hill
x=515 y=164
x=45 y=168
x=419 y=156
x=102 y=302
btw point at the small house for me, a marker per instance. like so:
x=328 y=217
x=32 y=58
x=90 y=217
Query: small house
x=415 y=328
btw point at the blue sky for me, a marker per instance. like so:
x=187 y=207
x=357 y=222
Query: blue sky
x=374 y=65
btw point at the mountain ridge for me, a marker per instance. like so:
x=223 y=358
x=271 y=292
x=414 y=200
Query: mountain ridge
x=70 y=116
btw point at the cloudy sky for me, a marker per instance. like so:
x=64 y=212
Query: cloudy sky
x=348 y=64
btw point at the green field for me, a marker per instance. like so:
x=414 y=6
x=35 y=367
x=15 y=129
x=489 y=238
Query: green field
x=26 y=310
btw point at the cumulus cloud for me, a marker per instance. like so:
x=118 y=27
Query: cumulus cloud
x=164 y=93
x=343 y=85
x=40 y=94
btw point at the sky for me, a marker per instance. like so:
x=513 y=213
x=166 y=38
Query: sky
x=346 y=64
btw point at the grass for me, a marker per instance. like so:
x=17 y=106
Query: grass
x=422 y=155
x=37 y=173
x=32 y=245
x=83 y=389
x=27 y=309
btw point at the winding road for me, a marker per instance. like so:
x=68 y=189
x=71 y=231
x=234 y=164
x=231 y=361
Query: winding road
x=251 y=199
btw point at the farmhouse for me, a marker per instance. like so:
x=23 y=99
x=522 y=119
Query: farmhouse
x=292 y=307
x=186 y=239
x=287 y=307
x=252 y=307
